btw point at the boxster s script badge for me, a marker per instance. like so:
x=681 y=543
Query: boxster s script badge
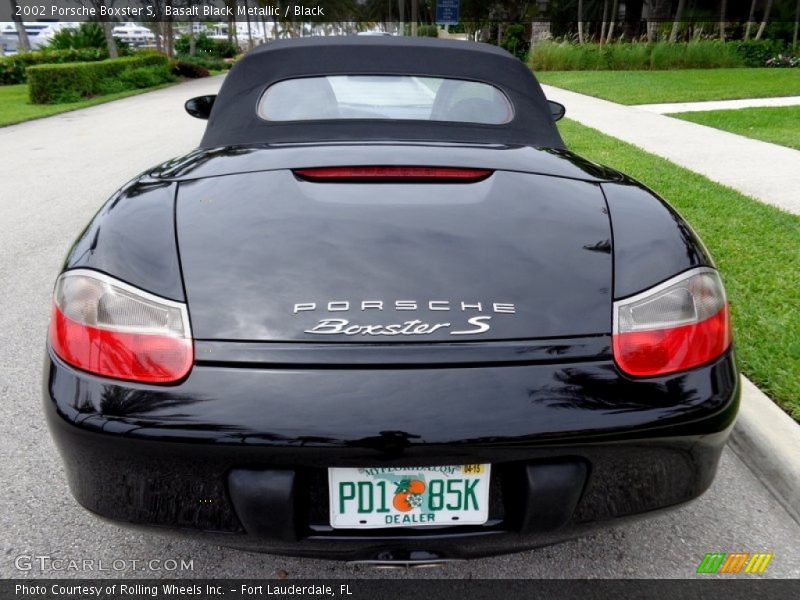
x=475 y=317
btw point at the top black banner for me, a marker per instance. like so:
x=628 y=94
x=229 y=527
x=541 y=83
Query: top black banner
x=393 y=11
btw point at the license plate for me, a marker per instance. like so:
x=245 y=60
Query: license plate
x=379 y=497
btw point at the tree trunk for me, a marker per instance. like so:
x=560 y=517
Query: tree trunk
x=192 y=40
x=24 y=44
x=108 y=31
x=632 y=25
x=750 y=19
x=676 y=24
x=401 y=7
x=613 y=20
x=604 y=22
x=654 y=11
x=796 y=25
x=414 y=17
x=650 y=24
x=111 y=45
x=580 y=21
x=249 y=31
x=264 y=28
x=723 y=10
x=765 y=20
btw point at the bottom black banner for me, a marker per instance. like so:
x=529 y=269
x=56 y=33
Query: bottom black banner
x=380 y=589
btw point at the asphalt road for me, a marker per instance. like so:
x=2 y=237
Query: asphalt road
x=54 y=174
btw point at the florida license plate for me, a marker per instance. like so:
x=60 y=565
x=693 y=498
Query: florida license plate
x=372 y=498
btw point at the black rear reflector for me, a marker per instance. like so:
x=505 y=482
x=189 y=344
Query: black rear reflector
x=392 y=174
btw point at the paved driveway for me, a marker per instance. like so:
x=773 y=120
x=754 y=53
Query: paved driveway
x=767 y=172
x=54 y=174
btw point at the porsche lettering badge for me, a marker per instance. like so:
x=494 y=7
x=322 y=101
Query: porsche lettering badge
x=472 y=325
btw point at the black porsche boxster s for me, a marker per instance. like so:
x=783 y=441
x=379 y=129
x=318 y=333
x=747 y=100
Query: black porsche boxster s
x=383 y=314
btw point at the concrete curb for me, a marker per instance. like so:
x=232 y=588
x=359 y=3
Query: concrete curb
x=768 y=442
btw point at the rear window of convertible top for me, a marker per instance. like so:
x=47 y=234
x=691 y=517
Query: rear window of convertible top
x=400 y=97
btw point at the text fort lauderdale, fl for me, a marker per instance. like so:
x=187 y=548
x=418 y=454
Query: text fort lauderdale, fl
x=242 y=11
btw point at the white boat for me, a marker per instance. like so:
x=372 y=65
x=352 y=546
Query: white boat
x=135 y=35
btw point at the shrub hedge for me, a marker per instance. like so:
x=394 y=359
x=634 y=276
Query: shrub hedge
x=619 y=56
x=208 y=62
x=756 y=53
x=183 y=68
x=12 y=68
x=52 y=84
x=428 y=30
x=206 y=46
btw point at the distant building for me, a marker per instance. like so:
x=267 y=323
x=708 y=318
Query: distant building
x=135 y=35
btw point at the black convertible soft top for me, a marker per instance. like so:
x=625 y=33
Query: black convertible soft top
x=234 y=121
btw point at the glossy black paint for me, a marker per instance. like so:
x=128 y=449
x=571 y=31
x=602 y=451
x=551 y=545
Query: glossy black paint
x=267 y=405
x=539 y=397
x=652 y=242
x=254 y=245
x=200 y=106
x=161 y=456
x=132 y=237
x=230 y=160
x=342 y=356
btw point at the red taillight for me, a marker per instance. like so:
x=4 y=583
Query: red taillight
x=393 y=174
x=677 y=325
x=109 y=328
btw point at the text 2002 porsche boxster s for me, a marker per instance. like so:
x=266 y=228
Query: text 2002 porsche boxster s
x=383 y=314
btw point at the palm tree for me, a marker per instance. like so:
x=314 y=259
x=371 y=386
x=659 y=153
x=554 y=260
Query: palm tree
x=656 y=10
x=192 y=40
x=613 y=20
x=796 y=25
x=764 y=21
x=580 y=21
x=24 y=44
x=108 y=29
x=401 y=7
x=249 y=31
x=750 y=19
x=673 y=36
x=722 y=11
x=604 y=22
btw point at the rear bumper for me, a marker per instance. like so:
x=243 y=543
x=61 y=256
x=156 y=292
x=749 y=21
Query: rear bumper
x=239 y=456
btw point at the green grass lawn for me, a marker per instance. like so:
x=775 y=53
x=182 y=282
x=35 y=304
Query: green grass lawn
x=777 y=124
x=16 y=108
x=755 y=247
x=690 y=85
